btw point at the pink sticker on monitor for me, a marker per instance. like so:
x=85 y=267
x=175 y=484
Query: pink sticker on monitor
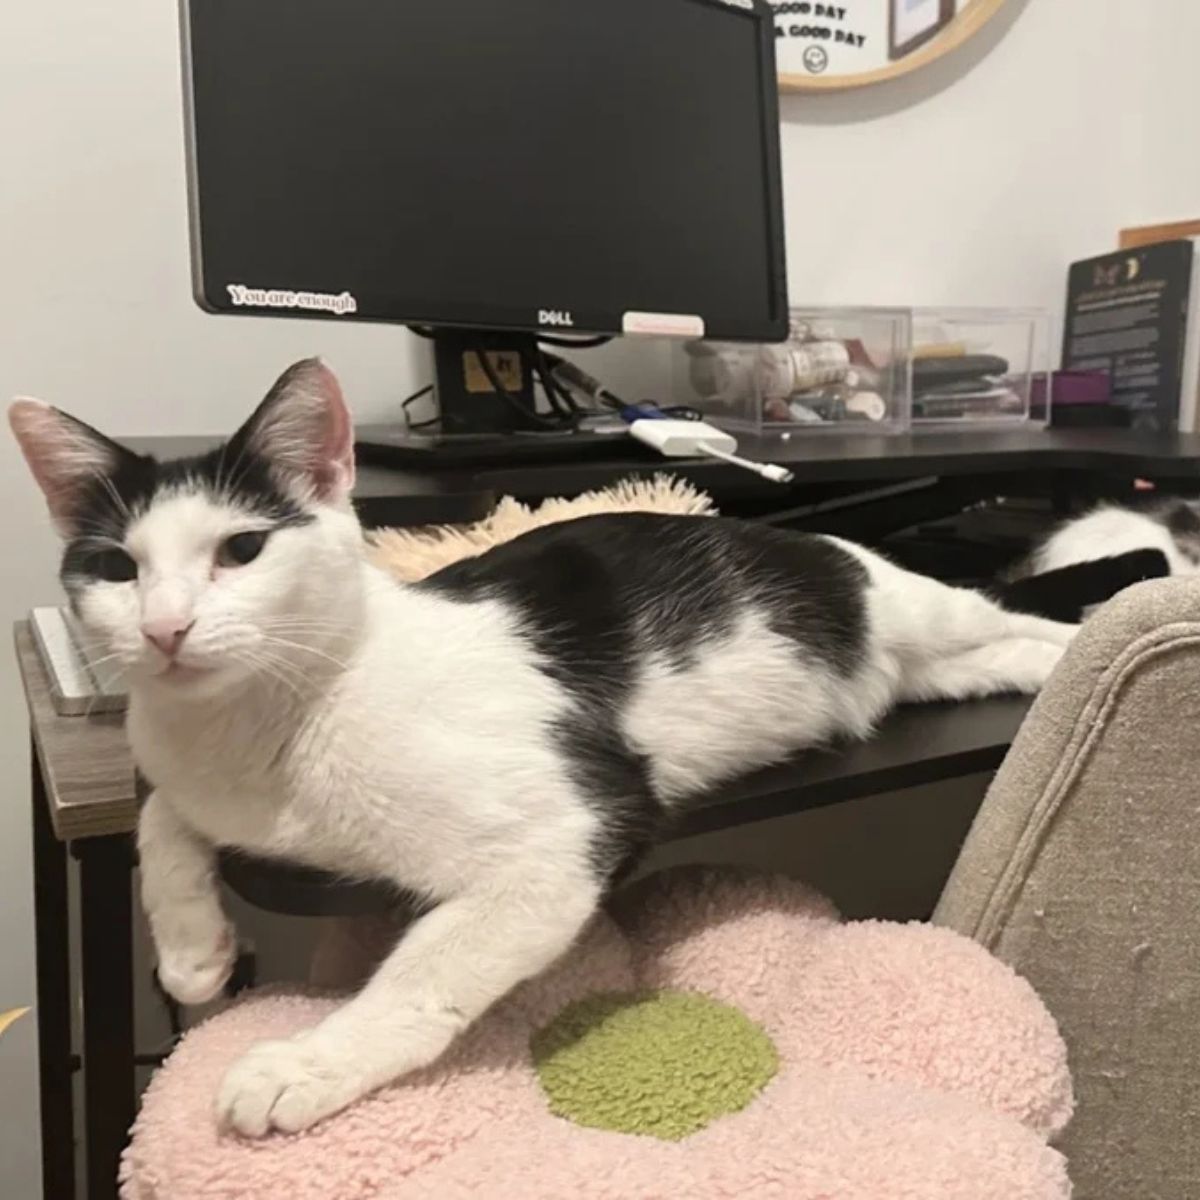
x=663 y=324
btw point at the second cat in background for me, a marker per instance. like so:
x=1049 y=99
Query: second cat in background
x=1171 y=526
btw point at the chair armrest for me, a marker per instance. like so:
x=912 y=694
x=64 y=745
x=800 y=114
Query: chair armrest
x=1082 y=871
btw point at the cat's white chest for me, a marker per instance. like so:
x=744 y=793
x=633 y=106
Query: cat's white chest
x=432 y=760
x=357 y=790
x=242 y=784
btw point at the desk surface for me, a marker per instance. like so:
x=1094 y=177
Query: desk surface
x=418 y=495
x=834 y=458
x=90 y=780
x=86 y=764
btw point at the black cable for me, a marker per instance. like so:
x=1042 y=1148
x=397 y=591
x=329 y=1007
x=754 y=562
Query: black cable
x=584 y=382
x=513 y=401
x=416 y=396
x=560 y=397
x=560 y=403
x=553 y=396
x=409 y=423
x=566 y=408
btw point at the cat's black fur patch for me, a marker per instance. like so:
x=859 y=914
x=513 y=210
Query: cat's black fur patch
x=617 y=779
x=1183 y=523
x=104 y=507
x=594 y=589
x=599 y=595
x=1182 y=518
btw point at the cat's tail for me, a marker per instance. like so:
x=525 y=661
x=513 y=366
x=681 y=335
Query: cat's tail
x=1067 y=593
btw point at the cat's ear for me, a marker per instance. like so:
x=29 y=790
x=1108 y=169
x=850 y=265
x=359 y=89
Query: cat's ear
x=304 y=432
x=65 y=456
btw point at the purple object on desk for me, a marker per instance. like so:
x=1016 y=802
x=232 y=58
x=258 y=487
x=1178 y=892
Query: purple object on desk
x=1081 y=387
x=1079 y=397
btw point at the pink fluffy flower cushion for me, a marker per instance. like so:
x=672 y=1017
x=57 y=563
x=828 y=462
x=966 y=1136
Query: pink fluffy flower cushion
x=719 y=1036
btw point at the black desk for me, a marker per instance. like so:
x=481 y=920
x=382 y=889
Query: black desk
x=965 y=463
x=838 y=459
x=915 y=745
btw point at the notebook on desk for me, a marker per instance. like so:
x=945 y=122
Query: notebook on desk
x=79 y=684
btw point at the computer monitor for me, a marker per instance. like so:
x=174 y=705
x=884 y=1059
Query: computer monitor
x=490 y=172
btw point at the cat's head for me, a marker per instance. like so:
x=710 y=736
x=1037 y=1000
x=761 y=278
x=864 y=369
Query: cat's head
x=197 y=573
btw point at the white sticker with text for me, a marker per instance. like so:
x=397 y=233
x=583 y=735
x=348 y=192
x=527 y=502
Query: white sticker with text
x=248 y=297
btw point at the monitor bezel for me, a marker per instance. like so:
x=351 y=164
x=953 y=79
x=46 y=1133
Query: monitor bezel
x=474 y=315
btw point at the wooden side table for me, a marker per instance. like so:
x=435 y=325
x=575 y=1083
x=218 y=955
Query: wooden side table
x=85 y=800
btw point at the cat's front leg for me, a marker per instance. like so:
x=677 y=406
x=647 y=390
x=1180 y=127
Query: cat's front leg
x=194 y=942
x=449 y=968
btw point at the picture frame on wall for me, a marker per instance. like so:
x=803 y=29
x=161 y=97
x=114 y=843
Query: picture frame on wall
x=912 y=23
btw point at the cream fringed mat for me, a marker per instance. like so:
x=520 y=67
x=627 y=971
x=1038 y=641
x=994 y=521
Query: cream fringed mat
x=412 y=554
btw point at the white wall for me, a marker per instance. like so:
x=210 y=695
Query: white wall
x=957 y=186
x=977 y=181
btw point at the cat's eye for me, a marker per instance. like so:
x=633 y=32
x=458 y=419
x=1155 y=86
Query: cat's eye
x=115 y=566
x=242 y=548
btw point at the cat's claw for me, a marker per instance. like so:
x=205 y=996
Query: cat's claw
x=286 y=1085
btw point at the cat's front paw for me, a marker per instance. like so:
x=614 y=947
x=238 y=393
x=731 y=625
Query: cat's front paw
x=195 y=956
x=287 y=1086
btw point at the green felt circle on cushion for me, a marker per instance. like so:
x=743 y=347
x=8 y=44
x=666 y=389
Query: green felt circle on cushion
x=664 y=1064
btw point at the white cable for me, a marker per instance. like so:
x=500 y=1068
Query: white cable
x=771 y=471
x=676 y=438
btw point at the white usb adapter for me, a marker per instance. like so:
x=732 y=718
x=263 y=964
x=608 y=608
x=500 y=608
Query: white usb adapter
x=697 y=439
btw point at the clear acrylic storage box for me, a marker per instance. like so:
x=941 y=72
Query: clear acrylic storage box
x=977 y=367
x=873 y=370
x=841 y=370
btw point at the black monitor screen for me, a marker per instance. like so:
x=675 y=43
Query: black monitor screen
x=519 y=164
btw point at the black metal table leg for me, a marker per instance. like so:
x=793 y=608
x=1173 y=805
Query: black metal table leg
x=106 y=936
x=53 y=997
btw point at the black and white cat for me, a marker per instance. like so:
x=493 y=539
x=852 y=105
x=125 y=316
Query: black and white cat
x=1171 y=526
x=500 y=739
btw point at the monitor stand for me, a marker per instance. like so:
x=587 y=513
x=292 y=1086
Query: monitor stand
x=479 y=424
x=467 y=399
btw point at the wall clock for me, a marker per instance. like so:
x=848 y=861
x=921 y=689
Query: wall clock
x=848 y=43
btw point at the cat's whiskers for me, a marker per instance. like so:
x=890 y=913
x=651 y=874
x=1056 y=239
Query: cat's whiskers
x=287 y=644
x=105 y=659
x=269 y=666
x=336 y=631
x=314 y=623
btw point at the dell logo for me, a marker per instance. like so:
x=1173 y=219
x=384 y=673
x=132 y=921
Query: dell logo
x=552 y=316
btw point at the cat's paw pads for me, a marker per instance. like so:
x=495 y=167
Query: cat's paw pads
x=286 y=1086
x=195 y=972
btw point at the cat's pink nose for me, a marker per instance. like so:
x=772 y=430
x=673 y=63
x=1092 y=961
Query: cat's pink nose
x=166 y=636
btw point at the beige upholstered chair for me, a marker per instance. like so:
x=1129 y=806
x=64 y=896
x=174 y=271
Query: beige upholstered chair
x=1082 y=871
